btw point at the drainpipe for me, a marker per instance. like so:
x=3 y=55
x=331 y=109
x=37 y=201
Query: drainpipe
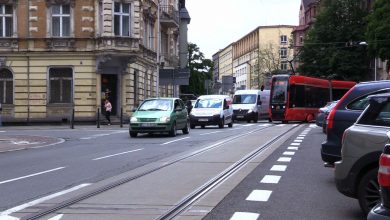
x=28 y=62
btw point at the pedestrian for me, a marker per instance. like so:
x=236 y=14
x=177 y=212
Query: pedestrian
x=189 y=106
x=108 y=108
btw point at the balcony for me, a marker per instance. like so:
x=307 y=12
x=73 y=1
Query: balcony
x=117 y=44
x=9 y=44
x=169 y=16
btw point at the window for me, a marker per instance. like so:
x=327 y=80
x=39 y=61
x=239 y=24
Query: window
x=283 y=52
x=283 y=65
x=6 y=20
x=121 y=19
x=148 y=34
x=283 y=39
x=60 y=20
x=6 y=86
x=60 y=83
x=378 y=113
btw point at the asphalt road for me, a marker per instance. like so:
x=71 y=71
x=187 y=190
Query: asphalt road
x=305 y=190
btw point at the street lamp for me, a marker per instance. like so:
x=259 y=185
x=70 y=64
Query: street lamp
x=363 y=43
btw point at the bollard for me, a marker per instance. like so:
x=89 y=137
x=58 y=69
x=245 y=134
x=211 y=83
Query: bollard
x=98 y=118
x=72 y=120
x=121 y=118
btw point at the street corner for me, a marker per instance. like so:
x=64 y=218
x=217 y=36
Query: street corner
x=21 y=142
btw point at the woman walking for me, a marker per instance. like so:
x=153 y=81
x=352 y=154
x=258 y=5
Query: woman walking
x=108 y=107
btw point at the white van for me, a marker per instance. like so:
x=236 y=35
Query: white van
x=251 y=105
x=212 y=110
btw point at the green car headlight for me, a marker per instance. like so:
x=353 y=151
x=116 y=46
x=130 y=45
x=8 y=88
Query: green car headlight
x=165 y=119
x=133 y=119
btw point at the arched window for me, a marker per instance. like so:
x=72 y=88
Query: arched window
x=6 y=86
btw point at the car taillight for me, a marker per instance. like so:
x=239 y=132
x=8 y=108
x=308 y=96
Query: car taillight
x=384 y=167
x=329 y=120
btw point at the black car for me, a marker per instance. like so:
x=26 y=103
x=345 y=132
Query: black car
x=344 y=114
x=382 y=210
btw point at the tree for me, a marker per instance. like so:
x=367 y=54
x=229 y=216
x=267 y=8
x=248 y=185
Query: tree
x=378 y=31
x=200 y=70
x=331 y=48
x=267 y=63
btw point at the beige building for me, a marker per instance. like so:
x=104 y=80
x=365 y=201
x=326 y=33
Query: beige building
x=260 y=54
x=63 y=55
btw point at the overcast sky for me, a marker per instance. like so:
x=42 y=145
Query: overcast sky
x=217 y=23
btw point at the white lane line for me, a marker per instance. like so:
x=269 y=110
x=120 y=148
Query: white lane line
x=247 y=125
x=37 y=201
x=31 y=175
x=101 y=135
x=289 y=153
x=284 y=159
x=2 y=131
x=264 y=125
x=300 y=138
x=295 y=144
x=57 y=217
x=270 y=179
x=174 y=141
x=7 y=217
x=278 y=168
x=211 y=133
x=113 y=155
x=299 y=141
x=245 y=216
x=259 y=195
x=282 y=125
x=292 y=148
x=302 y=135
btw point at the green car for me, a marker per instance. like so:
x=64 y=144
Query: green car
x=158 y=115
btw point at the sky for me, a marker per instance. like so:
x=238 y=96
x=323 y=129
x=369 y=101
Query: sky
x=217 y=23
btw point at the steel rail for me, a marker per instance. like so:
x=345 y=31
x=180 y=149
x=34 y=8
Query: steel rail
x=217 y=180
x=117 y=183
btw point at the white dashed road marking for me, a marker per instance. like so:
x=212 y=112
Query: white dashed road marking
x=278 y=168
x=113 y=155
x=174 y=141
x=259 y=195
x=270 y=179
x=31 y=175
x=284 y=159
x=288 y=153
x=295 y=144
x=244 y=216
x=292 y=148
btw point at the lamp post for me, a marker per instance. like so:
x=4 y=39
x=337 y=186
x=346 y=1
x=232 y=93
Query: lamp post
x=158 y=50
x=363 y=43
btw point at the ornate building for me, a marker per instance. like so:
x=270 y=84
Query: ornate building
x=57 y=56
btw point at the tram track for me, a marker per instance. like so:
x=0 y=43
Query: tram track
x=97 y=191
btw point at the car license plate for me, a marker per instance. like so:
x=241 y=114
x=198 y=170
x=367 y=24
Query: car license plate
x=148 y=125
x=203 y=119
x=240 y=116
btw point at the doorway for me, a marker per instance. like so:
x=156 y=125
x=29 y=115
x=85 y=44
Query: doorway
x=109 y=90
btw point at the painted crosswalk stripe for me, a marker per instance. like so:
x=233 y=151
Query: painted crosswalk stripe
x=292 y=148
x=284 y=159
x=300 y=138
x=295 y=144
x=259 y=195
x=299 y=141
x=270 y=179
x=278 y=168
x=288 y=153
x=245 y=216
x=247 y=125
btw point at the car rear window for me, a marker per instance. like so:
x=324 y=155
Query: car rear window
x=378 y=115
x=362 y=102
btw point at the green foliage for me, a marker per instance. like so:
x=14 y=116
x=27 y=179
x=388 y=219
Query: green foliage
x=200 y=70
x=330 y=49
x=378 y=30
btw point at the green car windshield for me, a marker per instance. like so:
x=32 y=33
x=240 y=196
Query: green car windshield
x=156 y=105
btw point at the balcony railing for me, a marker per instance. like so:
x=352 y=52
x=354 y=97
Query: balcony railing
x=169 y=16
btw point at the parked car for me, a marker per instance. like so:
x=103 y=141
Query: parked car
x=159 y=115
x=344 y=114
x=323 y=114
x=212 y=110
x=356 y=173
x=382 y=210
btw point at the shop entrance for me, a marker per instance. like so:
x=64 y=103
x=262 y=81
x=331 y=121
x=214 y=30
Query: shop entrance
x=110 y=91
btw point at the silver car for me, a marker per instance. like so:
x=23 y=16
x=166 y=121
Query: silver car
x=362 y=144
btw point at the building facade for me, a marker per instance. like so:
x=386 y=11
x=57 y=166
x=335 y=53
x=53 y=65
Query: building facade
x=63 y=56
x=260 y=54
